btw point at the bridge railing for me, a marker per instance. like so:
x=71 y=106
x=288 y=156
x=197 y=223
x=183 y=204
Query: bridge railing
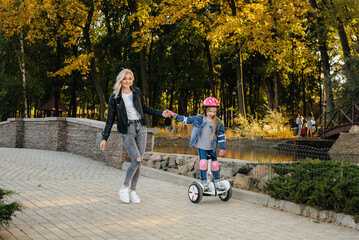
x=345 y=115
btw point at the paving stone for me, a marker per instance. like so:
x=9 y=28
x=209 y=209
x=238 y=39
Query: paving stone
x=78 y=199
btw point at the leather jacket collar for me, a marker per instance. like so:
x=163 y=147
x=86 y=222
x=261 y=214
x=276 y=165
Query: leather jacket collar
x=132 y=89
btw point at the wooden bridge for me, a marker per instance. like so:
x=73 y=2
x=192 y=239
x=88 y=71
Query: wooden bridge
x=340 y=120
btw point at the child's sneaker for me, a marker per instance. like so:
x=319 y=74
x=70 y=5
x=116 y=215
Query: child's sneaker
x=134 y=198
x=219 y=186
x=124 y=195
x=205 y=186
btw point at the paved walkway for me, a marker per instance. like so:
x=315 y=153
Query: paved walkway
x=71 y=197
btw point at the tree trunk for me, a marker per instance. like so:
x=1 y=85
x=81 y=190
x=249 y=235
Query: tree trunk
x=268 y=89
x=292 y=84
x=345 y=45
x=144 y=85
x=210 y=67
x=343 y=39
x=23 y=72
x=171 y=95
x=93 y=70
x=182 y=102
x=144 y=82
x=143 y=75
x=240 y=87
x=111 y=30
x=302 y=82
x=106 y=8
x=276 y=76
x=321 y=35
x=75 y=79
x=57 y=83
x=267 y=84
x=250 y=98
x=276 y=90
x=240 y=91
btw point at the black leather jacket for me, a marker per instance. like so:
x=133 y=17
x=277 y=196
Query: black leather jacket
x=116 y=107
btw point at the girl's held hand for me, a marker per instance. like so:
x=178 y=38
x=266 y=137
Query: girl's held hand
x=102 y=145
x=222 y=152
x=166 y=113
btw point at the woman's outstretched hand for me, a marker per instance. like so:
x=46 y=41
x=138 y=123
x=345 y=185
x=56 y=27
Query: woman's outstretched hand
x=102 y=145
x=165 y=113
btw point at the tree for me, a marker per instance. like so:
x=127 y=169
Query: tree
x=340 y=15
x=268 y=29
x=90 y=4
x=195 y=16
x=58 y=23
x=14 y=22
x=322 y=38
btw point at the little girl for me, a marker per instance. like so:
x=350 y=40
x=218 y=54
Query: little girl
x=207 y=132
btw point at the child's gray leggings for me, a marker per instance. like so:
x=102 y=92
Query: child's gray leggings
x=135 y=144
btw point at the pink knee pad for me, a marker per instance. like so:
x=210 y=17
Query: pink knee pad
x=203 y=164
x=215 y=165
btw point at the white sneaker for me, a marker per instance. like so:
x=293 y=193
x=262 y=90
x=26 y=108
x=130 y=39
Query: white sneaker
x=134 y=197
x=205 y=186
x=124 y=196
x=219 y=186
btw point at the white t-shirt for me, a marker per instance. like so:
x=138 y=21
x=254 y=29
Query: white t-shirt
x=132 y=113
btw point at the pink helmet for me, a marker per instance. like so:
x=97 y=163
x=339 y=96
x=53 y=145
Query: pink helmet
x=210 y=102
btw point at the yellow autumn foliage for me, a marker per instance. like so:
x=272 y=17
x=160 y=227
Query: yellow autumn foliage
x=80 y=63
x=273 y=125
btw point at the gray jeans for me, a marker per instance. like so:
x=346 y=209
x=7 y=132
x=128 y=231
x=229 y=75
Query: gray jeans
x=135 y=144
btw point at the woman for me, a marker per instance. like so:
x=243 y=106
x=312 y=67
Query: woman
x=127 y=103
x=310 y=125
x=299 y=122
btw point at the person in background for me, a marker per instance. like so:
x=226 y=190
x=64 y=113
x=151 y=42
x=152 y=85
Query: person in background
x=299 y=123
x=309 y=121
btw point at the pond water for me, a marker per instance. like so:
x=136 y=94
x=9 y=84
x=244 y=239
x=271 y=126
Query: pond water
x=233 y=152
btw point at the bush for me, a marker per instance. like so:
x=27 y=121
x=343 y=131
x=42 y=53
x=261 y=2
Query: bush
x=325 y=185
x=273 y=125
x=7 y=210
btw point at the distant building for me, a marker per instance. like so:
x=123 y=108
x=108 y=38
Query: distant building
x=48 y=108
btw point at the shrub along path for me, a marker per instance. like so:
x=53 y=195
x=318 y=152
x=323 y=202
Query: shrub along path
x=71 y=197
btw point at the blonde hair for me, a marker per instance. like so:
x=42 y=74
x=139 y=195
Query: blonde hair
x=120 y=77
x=215 y=122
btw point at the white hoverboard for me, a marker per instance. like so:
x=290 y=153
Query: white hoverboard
x=196 y=190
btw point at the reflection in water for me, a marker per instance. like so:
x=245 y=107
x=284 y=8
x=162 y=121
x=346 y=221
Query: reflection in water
x=233 y=152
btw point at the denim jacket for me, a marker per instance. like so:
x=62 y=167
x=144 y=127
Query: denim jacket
x=198 y=124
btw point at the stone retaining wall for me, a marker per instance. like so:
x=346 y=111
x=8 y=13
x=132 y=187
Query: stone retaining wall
x=347 y=143
x=74 y=135
x=241 y=174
